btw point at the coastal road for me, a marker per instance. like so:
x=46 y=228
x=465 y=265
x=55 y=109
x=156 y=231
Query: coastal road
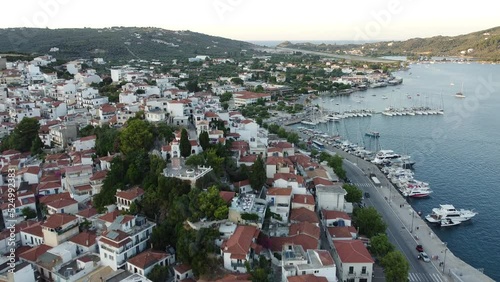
x=338 y=56
x=397 y=232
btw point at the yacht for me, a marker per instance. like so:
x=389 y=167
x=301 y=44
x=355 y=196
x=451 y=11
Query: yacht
x=309 y=122
x=460 y=95
x=418 y=192
x=384 y=156
x=449 y=211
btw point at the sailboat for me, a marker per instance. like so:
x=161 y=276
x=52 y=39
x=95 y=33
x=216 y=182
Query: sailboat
x=461 y=93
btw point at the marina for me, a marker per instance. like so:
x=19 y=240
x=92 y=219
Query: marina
x=454 y=176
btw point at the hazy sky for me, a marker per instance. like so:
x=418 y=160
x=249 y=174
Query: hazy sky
x=265 y=20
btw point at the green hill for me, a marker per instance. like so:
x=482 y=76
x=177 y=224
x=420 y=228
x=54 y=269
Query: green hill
x=482 y=45
x=118 y=43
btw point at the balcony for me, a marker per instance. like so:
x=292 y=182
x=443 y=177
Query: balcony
x=364 y=274
x=351 y=274
x=237 y=264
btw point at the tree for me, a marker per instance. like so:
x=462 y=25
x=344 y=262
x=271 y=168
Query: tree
x=107 y=140
x=380 y=245
x=209 y=204
x=354 y=195
x=237 y=80
x=396 y=267
x=204 y=140
x=136 y=136
x=225 y=97
x=369 y=221
x=192 y=86
x=258 y=174
x=259 y=89
x=28 y=213
x=37 y=146
x=158 y=274
x=185 y=145
x=86 y=131
x=293 y=138
x=215 y=161
x=24 y=134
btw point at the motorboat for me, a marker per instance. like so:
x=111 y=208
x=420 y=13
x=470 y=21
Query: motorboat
x=449 y=222
x=418 y=192
x=449 y=211
x=460 y=95
x=373 y=134
x=385 y=155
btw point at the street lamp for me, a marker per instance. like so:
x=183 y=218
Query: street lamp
x=445 y=251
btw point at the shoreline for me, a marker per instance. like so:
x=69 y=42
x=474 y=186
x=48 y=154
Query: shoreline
x=451 y=267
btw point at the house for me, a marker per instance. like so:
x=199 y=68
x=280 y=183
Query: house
x=62 y=205
x=287 y=148
x=335 y=218
x=331 y=197
x=279 y=201
x=278 y=165
x=77 y=176
x=306 y=278
x=125 y=237
x=341 y=233
x=61 y=135
x=86 y=242
x=182 y=272
x=296 y=182
x=84 y=143
x=124 y=199
x=144 y=262
x=243 y=98
x=49 y=188
x=304 y=215
x=58 y=228
x=240 y=248
x=304 y=234
x=354 y=261
x=247 y=160
x=296 y=261
x=303 y=201
x=32 y=255
x=21 y=272
x=96 y=181
x=32 y=235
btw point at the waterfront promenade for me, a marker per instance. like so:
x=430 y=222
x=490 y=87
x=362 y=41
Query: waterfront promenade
x=452 y=267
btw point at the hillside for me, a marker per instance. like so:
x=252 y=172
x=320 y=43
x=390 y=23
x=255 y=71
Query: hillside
x=482 y=45
x=118 y=43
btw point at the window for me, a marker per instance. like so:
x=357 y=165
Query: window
x=316 y=271
x=363 y=270
x=351 y=269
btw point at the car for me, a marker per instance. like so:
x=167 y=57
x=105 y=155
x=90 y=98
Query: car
x=419 y=248
x=367 y=195
x=423 y=256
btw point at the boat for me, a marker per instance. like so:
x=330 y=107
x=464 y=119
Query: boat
x=384 y=97
x=449 y=211
x=418 y=192
x=309 y=122
x=384 y=156
x=373 y=134
x=449 y=222
x=461 y=93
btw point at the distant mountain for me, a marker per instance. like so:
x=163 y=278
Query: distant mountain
x=118 y=43
x=483 y=45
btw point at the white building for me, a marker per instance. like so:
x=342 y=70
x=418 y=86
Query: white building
x=295 y=261
x=330 y=197
x=240 y=248
x=354 y=261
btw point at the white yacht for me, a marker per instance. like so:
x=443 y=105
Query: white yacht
x=417 y=192
x=384 y=156
x=449 y=211
x=449 y=222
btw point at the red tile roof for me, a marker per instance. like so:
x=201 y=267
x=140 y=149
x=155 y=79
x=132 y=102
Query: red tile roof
x=307 y=278
x=58 y=220
x=240 y=242
x=147 y=258
x=111 y=216
x=227 y=196
x=182 y=268
x=87 y=213
x=342 y=232
x=352 y=251
x=50 y=198
x=85 y=238
x=130 y=194
x=248 y=159
x=303 y=199
x=273 y=191
x=121 y=238
x=304 y=215
x=327 y=214
x=33 y=254
x=35 y=230
x=61 y=203
x=98 y=175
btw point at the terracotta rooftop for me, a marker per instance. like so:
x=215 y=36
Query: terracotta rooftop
x=303 y=199
x=58 y=220
x=130 y=194
x=240 y=242
x=352 y=251
x=85 y=238
x=273 y=191
x=61 y=202
x=33 y=254
x=304 y=215
x=307 y=278
x=147 y=258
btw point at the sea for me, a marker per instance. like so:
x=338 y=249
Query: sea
x=274 y=43
x=457 y=153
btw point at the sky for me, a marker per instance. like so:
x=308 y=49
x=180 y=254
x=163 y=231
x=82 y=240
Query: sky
x=253 y=20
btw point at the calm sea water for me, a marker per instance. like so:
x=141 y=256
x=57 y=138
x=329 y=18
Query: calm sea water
x=457 y=153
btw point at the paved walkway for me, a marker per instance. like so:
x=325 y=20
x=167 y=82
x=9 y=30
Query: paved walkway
x=454 y=268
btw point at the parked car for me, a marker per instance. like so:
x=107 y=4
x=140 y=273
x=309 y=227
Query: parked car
x=419 y=248
x=423 y=256
x=367 y=195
